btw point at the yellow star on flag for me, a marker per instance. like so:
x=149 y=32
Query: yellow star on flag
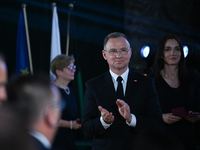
x=24 y=72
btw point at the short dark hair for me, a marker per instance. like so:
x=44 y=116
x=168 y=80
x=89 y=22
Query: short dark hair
x=30 y=95
x=114 y=35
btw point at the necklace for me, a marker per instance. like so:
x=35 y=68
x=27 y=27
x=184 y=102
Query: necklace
x=67 y=91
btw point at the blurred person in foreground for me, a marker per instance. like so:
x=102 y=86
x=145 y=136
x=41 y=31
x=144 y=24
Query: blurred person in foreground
x=178 y=90
x=13 y=134
x=64 y=69
x=38 y=102
x=3 y=79
x=120 y=103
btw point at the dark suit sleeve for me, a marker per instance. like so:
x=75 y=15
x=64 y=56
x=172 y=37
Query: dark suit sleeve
x=91 y=115
x=152 y=110
x=195 y=92
x=153 y=106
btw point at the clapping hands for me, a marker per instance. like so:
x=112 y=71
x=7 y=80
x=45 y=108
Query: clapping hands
x=107 y=116
x=123 y=108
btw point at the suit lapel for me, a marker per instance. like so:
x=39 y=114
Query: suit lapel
x=108 y=90
x=131 y=86
x=108 y=86
x=110 y=96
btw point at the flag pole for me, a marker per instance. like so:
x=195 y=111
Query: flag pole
x=71 y=6
x=53 y=6
x=27 y=38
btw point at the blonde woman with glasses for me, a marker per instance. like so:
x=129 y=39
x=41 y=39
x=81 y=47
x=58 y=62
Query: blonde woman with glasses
x=64 y=69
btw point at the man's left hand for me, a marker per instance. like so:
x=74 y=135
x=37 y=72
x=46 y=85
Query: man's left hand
x=124 y=110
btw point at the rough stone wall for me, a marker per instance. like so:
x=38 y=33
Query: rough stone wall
x=147 y=21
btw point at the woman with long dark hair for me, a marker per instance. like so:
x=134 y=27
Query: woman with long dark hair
x=177 y=89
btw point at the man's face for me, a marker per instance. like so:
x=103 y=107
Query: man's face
x=3 y=81
x=117 y=63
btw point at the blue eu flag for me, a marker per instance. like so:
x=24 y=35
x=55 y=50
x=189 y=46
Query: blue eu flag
x=22 y=61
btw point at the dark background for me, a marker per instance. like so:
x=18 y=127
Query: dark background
x=143 y=21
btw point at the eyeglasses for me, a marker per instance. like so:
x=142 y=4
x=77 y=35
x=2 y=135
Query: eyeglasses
x=115 y=52
x=72 y=67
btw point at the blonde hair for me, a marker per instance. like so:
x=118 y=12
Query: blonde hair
x=60 y=62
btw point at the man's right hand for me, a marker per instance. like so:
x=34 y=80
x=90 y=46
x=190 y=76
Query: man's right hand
x=107 y=116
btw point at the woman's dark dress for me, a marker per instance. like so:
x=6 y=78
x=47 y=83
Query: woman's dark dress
x=64 y=139
x=176 y=97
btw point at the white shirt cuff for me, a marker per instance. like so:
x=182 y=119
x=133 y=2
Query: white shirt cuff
x=105 y=125
x=133 y=121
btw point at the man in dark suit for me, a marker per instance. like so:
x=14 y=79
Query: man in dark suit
x=37 y=101
x=112 y=122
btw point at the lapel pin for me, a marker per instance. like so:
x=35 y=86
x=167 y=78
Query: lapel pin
x=135 y=80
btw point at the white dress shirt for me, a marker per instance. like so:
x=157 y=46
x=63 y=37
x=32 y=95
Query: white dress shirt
x=124 y=83
x=40 y=137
